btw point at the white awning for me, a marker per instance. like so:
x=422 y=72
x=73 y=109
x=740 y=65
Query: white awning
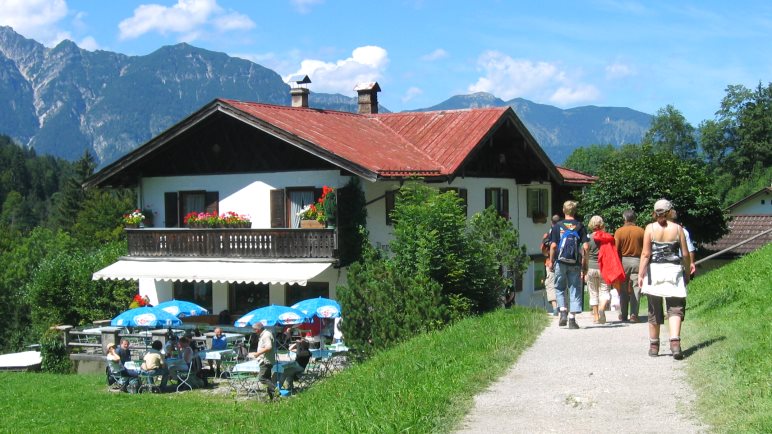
x=214 y=271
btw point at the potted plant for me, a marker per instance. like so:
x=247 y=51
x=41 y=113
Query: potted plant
x=133 y=219
x=329 y=203
x=233 y=220
x=309 y=217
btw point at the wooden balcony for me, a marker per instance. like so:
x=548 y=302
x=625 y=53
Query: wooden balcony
x=233 y=243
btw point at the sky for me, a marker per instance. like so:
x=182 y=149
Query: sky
x=638 y=54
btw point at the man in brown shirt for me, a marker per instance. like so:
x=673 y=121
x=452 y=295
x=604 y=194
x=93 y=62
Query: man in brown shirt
x=629 y=241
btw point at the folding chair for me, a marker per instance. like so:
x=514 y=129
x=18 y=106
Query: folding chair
x=184 y=378
x=227 y=362
x=147 y=383
x=115 y=379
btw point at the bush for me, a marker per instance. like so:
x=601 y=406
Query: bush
x=54 y=353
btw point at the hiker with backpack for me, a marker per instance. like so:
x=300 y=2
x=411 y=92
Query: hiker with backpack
x=568 y=239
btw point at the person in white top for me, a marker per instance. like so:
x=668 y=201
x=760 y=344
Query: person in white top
x=337 y=334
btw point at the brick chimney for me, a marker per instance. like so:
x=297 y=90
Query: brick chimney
x=368 y=97
x=298 y=91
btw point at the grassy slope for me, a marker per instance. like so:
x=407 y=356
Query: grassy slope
x=728 y=339
x=425 y=385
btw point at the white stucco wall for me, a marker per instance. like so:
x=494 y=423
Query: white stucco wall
x=250 y=194
x=243 y=193
x=760 y=204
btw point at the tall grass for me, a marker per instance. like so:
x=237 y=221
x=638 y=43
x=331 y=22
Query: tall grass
x=424 y=385
x=728 y=342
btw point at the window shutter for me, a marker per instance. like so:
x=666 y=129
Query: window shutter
x=389 y=198
x=488 y=198
x=212 y=200
x=463 y=195
x=278 y=209
x=505 y=202
x=171 y=213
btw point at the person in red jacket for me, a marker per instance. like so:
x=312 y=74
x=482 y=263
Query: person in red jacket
x=602 y=267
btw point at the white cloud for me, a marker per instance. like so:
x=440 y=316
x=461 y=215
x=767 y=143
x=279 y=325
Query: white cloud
x=411 y=93
x=88 y=43
x=365 y=64
x=304 y=6
x=573 y=95
x=188 y=18
x=435 y=55
x=509 y=78
x=618 y=70
x=34 y=18
x=233 y=21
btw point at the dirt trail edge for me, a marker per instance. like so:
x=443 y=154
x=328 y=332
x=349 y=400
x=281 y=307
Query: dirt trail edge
x=598 y=379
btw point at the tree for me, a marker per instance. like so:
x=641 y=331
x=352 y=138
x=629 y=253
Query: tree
x=738 y=142
x=72 y=196
x=99 y=220
x=670 y=132
x=590 y=159
x=637 y=184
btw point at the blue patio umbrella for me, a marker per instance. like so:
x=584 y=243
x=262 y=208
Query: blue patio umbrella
x=145 y=317
x=182 y=308
x=320 y=306
x=272 y=315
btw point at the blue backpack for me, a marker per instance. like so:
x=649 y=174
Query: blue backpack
x=568 y=248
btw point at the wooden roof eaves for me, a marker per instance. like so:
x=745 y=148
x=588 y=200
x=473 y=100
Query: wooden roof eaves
x=509 y=115
x=531 y=141
x=150 y=146
x=298 y=142
x=217 y=105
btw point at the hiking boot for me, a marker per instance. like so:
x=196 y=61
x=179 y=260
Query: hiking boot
x=675 y=348
x=563 y=318
x=654 y=348
x=572 y=324
x=634 y=318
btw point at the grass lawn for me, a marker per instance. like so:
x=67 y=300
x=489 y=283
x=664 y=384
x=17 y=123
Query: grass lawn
x=424 y=385
x=728 y=344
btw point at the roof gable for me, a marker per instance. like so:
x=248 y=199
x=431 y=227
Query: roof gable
x=425 y=144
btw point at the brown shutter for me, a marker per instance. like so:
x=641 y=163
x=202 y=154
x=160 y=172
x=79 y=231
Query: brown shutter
x=171 y=213
x=212 y=200
x=389 y=198
x=487 y=198
x=505 y=202
x=278 y=209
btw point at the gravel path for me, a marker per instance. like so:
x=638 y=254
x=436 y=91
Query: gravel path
x=598 y=379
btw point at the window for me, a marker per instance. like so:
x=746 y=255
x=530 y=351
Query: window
x=537 y=202
x=196 y=292
x=498 y=198
x=178 y=204
x=296 y=293
x=461 y=192
x=389 y=199
x=245 y=297
x=286 y=204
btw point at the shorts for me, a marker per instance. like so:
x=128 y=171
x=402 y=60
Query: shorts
x=676 y=306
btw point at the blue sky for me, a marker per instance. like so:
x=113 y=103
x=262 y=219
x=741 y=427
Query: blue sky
x=642 y=55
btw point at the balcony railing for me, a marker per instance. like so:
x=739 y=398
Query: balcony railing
x=233 y=243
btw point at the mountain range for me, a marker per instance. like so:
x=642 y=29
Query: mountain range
x=65 y=100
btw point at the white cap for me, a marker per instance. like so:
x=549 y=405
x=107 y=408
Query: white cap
x=662 y=206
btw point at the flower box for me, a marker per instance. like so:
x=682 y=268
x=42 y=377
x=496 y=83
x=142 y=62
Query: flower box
x=311 y=224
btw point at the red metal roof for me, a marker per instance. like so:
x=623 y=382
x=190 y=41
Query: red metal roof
x=576 y=177
x=402 y=144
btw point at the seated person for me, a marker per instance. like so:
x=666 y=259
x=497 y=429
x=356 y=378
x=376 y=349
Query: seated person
x=188 y=356
x=124 y=352
x=153 y=363
x=218 y=343
x=115 y=367
x=284 y=339
x=293 y=370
